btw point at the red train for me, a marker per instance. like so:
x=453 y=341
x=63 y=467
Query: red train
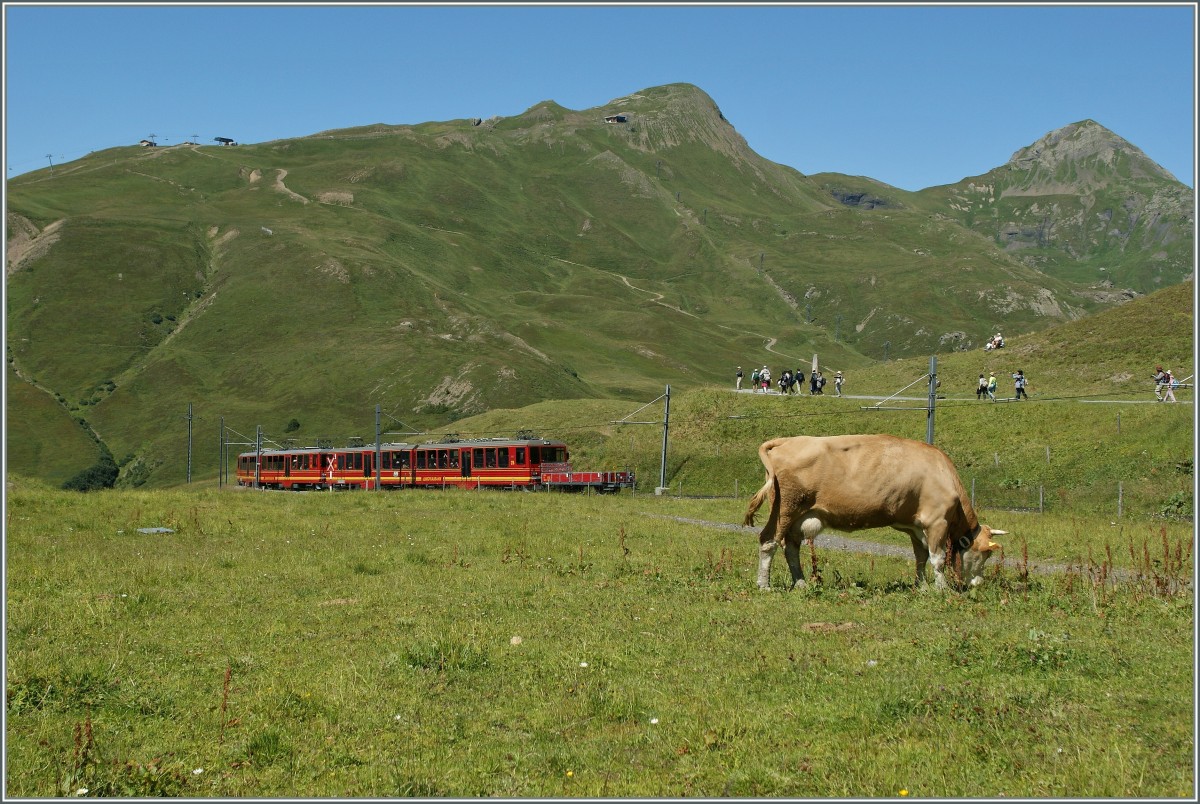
x=532 y=464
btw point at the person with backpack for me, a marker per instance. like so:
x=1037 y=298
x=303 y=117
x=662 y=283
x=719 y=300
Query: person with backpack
x=738 y=386
x=1160 y=382
x=991 y=386
x=1019 y=384
x=981 y=389
x=1169 y=387
x=754 y=379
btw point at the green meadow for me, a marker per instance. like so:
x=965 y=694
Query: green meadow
x=464 y=644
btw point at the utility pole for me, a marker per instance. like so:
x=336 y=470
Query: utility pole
x=51 y=158
x=932 y=398
x=378 y=447
x=189 y=421
x=221 y=453
x=662 y=472
x=258 y=456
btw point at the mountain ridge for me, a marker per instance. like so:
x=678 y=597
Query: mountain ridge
x=447 y=268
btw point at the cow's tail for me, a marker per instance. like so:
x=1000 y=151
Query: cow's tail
x=767 y=492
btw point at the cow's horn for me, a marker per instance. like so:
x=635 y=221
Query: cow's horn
x=999 y=532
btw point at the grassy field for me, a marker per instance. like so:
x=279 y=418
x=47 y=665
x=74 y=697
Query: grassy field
x=525 y=645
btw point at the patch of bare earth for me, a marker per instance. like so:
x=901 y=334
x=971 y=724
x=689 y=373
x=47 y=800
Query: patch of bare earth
x=280 y=174
x=27 y=244
x=340 y=199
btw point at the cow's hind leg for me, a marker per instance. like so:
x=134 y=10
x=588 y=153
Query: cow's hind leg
x=805 y=529
x=767 y=545
x=766 y=551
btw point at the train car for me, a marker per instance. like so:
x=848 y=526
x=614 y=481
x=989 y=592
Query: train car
x=522 y=463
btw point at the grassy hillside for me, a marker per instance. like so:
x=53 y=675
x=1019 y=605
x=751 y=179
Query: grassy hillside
x=446 y=269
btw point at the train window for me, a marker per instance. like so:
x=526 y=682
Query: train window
x=386 y=460
x=295 y=461
x=453 y=459
x=491 y=457
x=554 y=454
x=520 y=457
x=535 y=455
x=341 y=461
x=357 y=460
x=404 y=462
x=443 y=458
x=477 y=458
x=502 y=455
x=420 y=459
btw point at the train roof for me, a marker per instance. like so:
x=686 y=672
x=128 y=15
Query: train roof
x=392 y=446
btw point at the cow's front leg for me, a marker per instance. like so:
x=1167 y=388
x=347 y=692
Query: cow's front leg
x=920 y=552
x=766 y=551
x=935 y=543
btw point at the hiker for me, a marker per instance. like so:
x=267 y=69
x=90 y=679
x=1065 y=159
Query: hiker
x=981 y=389
x=1160 y=382
x=1169 y=387
x=1019 y=384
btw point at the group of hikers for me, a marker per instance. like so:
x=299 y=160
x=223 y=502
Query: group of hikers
x=994 y=342
x=1165 y=384
x=790 y=382
x=987 y=386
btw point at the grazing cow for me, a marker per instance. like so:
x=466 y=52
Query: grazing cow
x=852 y=482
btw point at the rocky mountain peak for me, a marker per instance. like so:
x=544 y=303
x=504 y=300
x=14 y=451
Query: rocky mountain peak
x=1087 y=146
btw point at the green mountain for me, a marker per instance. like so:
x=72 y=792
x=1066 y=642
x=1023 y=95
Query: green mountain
x=444 y=269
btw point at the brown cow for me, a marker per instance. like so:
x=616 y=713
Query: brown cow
x=852 y=482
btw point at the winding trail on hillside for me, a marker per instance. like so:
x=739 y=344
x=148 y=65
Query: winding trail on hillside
x=280 y=174
x=769 y=343
x=658 y=297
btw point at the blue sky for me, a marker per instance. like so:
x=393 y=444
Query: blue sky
x=911 y=95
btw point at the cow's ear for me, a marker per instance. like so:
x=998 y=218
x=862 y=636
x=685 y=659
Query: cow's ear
x=991 y=545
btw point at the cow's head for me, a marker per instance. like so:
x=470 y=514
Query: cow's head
x=976 y=552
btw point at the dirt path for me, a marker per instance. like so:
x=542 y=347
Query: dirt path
x=834 y=541
x=280 y=173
